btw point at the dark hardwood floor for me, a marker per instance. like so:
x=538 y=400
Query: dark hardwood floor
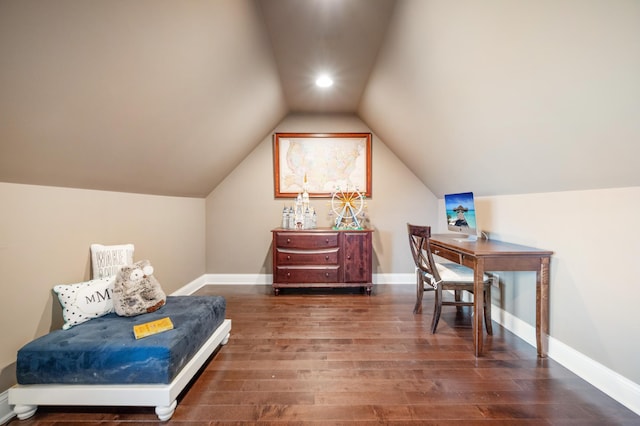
x=341 y=357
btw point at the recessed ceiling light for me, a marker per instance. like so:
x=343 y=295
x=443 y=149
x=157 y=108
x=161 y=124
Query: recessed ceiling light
x=324 y=81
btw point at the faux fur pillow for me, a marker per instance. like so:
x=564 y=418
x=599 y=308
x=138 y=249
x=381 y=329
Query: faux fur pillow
x=84 y=301
x=136 y=291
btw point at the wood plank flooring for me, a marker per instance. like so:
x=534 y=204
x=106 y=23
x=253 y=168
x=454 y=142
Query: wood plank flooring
x=341 y=357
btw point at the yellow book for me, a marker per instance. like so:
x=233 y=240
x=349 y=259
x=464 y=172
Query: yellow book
x=153 y=327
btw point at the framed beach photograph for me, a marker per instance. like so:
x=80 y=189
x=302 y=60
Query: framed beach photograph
x=321 y=162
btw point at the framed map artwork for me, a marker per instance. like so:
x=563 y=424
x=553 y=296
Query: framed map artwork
x=323 y=162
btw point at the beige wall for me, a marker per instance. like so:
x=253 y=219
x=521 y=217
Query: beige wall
x=596 y=243
x=45 y=233
x=574 y=224
x=242 y=210
x=596 y=246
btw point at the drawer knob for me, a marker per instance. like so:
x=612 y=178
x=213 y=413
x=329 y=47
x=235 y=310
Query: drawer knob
x=436 y=251
x=288 y=274
x=326 y=274
x=288 y=257
x=326 y=241
x=326 y=258
x=288 y=240
x=348 y=257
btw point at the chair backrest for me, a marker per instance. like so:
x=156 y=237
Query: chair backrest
x=421 y=250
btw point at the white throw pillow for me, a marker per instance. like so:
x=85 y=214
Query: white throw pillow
x=84 y=301
x=107 y=260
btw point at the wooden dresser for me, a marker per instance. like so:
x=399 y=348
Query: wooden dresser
x=322 y=257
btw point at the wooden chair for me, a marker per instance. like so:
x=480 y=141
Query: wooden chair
x=432 y=276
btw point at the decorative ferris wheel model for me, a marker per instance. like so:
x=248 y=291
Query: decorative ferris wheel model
x=348 y=206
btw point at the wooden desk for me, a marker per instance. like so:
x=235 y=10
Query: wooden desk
x=490 y=255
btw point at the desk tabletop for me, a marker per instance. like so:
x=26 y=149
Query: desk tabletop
x=482 y=247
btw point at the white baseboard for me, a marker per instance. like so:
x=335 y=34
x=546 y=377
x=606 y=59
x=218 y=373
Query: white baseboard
x=191 y=287
x=394 y=279
x=239 y=279
x=608 y=381
x=267 y=279
x=6 y=413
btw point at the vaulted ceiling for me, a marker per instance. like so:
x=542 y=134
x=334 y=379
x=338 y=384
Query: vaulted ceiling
x=168 y=97
x=339 y=38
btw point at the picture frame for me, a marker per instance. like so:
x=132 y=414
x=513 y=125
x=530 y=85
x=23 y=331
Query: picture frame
x=321 y=162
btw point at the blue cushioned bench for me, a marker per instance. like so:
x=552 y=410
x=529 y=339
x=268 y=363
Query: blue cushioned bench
x=100 y=362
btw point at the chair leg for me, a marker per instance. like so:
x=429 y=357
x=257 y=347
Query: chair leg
x=458 y=298
x=436 y=310
x=487 y=310
x=419 y=293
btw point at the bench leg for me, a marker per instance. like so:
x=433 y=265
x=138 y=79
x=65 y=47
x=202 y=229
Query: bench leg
x=24 y=411
x=226 y=339
x=165 y=413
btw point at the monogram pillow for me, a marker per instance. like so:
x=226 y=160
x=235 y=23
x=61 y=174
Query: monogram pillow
x=84 y=301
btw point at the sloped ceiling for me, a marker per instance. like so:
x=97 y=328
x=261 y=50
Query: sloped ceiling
x=159 y=97
x=503 y=97
x=167 y=97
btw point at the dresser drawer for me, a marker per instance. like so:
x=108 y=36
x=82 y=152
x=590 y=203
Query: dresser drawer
x=307 y=275
x=301 y=240
x=308 y=257
x=321 y=258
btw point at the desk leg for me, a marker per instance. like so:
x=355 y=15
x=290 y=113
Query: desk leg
x=542 y=307
x=478 y=306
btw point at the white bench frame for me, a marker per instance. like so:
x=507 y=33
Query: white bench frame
x=26 y=398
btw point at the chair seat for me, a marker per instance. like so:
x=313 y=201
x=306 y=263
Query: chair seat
x=443 y=275
x=452 y=272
